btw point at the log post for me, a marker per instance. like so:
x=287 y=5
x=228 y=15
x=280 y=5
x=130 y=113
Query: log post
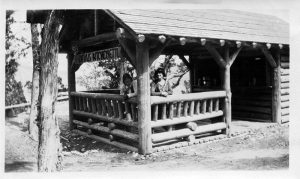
x=225 y=64
x=227 y=101
x=143 y=98
x=71 y=88
x=276 y=91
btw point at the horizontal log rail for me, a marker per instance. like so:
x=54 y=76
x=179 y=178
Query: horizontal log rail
x=106 y=119
x=160 y=137
x=167 y=122
x=62 y=98
x=107 y=141
x=187 y=97
x=116 y=132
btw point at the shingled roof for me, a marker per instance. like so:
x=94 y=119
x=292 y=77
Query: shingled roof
x=215 y=24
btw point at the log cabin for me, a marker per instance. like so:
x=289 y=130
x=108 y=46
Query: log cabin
x=238 y=62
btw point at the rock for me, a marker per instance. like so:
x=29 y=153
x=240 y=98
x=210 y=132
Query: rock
x=135 y=154
x=192 y=126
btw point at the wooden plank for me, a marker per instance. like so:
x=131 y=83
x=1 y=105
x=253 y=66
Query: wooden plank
x=285 y=92
x=284 y=72
x=187 y=97
x=106 y=119
x=160 y=137
x=143 y=98
x=285 y=119
x=285 y=112
x=285 y=85
x=285 y=104
x=285 y=65
x=285 y=79
x=180 y=120
x=285 y=98
x=107 y=141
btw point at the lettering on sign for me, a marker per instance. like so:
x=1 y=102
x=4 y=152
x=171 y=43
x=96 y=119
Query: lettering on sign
x=111 y=53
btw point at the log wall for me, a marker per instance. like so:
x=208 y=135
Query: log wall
x=252 y=104
x=285 y=102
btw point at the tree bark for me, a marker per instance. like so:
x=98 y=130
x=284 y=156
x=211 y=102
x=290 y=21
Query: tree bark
x=49 y=149
x=33 y=128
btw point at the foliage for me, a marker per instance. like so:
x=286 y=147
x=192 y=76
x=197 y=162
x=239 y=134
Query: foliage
x=15 y=48
x=103 y=74
x=91 y=76
x=174 y=68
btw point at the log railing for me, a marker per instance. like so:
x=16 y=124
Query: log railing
x=176 y=114
x=107 y=118
x=111 y=119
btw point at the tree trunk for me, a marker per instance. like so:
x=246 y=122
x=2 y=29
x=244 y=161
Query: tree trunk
x=33 y=129
x=49 y=156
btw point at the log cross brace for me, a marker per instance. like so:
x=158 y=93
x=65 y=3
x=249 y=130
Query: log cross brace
x=223 y=62
x=268 y=56
x=128 y=44
x=185 y=61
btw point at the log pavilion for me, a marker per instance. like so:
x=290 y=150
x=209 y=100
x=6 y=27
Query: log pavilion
x=238 y=62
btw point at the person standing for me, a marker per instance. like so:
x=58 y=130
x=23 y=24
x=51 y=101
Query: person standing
x=159 y=86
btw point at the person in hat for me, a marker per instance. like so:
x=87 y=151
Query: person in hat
x=159 y=86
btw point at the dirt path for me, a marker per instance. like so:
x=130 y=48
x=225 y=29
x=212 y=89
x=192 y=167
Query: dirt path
x=264 y=149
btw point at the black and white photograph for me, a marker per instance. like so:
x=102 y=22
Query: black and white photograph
x=161 y=86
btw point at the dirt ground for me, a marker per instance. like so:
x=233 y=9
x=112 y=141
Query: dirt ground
x=265 y=148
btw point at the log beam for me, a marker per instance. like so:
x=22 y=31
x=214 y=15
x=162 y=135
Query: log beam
x=143 y=98
x=98 y=39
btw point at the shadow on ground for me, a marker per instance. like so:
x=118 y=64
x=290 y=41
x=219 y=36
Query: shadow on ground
x=20 y=166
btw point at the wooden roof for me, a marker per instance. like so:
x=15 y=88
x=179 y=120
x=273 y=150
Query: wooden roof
x=215 y=24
